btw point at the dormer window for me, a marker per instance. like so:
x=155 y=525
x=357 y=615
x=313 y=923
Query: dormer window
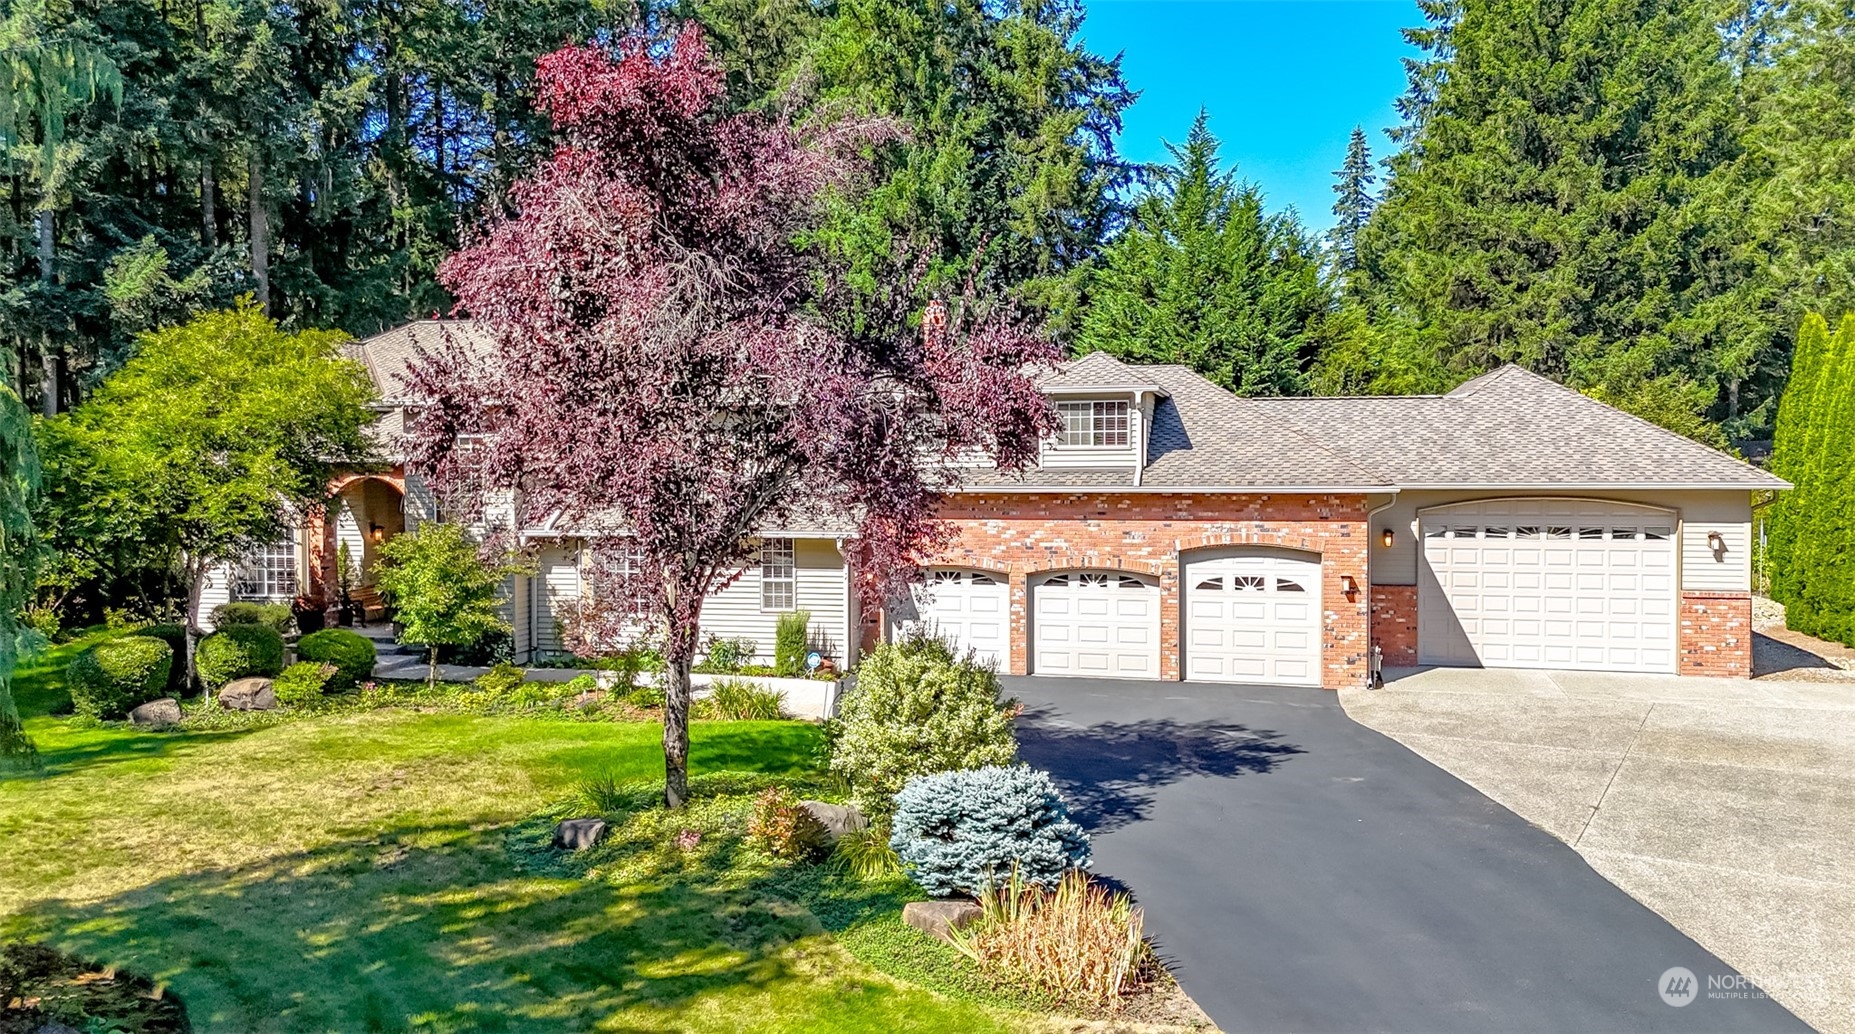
x=1092 y=424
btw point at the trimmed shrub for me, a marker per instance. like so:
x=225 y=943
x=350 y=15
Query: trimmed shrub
x=737 y=701
x=352 y=655
x=967 y=832
x=645 y=697
x=917 y=710
x=302 y=682
x=117 y=675
x=782 y=827
x=726 y=656
x=500 y=680
x=239 y=652
x=791 y=641
x=275 y=616
x=1079 y=943
x=176 y=639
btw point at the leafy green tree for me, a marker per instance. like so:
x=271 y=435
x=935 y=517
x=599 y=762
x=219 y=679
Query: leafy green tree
x=1204 y=277
x=1564 y=198
x=19 y=477
x=1352 y=206
x=441 y=590
x=215 y=438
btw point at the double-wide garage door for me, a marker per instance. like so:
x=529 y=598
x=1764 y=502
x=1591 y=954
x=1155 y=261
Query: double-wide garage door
x=1547 y=583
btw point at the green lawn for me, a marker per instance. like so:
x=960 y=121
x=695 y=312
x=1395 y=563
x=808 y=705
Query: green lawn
x=363 y=871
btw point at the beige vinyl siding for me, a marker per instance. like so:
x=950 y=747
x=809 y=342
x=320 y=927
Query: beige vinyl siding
x=217 y=590
x=557 y=580
x=821 y=588
x=515 y=610
x=421 y=503
x=1698 y=512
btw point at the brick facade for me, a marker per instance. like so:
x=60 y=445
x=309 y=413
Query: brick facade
x=1021 y=535
x=1716 y=633
x=1394 y=624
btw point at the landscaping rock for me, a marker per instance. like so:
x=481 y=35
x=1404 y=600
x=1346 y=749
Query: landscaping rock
x=579 y=834
x=55 y=1027
x=248 y=695
x=157 y=713
x=939 y=918
x=837 y=819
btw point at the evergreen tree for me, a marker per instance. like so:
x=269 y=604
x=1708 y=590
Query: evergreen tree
x=1008 y=171
x=1811 y=529
x=1204 y=277
x=1353 y=185
x=18 y=553
x=1564 y=199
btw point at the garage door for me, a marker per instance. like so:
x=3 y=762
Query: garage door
x=968 y=609
x=1095 y=623
x=1548 y=584
x=1253 y=618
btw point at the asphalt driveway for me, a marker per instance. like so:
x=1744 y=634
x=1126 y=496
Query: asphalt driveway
x=1304 y=873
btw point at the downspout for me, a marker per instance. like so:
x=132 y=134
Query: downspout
x=1374 y=678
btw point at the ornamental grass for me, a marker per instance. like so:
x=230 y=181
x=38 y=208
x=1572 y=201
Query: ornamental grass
x=1079 y=943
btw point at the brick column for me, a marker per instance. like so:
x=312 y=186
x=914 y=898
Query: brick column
x=1018 y=588
x=1394 y=624
x=1716 y=633
x=1170 y=645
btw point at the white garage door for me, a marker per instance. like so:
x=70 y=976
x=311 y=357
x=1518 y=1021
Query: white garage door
x=1253 y=618
x=1552 y=583
x=1095 y=623
x=968 y=609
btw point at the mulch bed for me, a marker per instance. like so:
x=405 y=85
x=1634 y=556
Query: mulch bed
x=45 y=991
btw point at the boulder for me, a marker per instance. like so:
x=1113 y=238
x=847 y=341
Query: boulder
x=940 y=917
x=248 y=695
x=578 y=834
x=837 y=819
x=157 y=713
x=55 y=1027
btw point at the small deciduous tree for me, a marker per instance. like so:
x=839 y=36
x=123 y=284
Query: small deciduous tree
x=214 y=438
x=442 y=591
x=676 y=364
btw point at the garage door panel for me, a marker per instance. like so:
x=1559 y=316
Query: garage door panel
x=1252 y=617
x=965 y=608
x=1597 y=592
x=1103 y=624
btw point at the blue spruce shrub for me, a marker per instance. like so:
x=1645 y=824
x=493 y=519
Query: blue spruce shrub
x=964 y=831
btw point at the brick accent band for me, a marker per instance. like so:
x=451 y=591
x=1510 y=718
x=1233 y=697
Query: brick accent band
x=1715 y=637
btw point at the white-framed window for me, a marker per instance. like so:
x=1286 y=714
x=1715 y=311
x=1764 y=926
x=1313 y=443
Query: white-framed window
x=779 y=586
x=1092 y=423
x=268 y=574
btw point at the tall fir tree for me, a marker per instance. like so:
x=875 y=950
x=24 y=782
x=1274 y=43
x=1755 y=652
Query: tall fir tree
x=19 y=484
x=1009 y=172
x=1563 y=199
x=1203 y=276
x=1353 y=205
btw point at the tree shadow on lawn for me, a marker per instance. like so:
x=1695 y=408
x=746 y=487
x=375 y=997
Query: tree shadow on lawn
x=437 y=928
x=1111 y=772
x=65 y=749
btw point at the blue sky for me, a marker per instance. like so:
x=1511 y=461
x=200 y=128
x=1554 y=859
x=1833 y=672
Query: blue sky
x=1284 y=82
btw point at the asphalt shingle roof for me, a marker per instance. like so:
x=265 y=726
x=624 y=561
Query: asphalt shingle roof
x=387 y=355
x=1507 y=428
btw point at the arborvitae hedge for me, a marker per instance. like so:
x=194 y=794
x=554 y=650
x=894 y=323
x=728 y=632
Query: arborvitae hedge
x=1811 y=529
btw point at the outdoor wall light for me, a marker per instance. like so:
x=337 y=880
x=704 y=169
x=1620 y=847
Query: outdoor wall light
x=1717 y=543
x=378 y=533
x=1349 y=585
x=1388 y=538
